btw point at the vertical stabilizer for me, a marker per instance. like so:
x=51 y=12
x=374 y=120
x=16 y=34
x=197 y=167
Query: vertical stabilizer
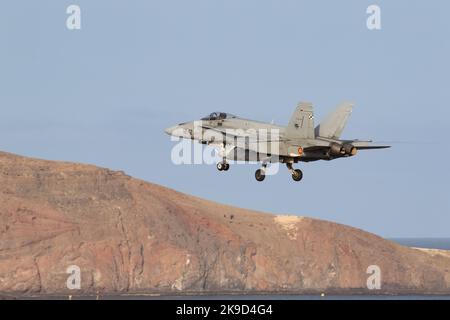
x=334 y=124
x=301 y=125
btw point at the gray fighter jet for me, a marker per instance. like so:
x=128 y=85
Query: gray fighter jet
x=240 y=139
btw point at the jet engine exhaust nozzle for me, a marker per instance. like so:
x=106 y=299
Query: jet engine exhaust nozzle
x=336 y=149
x=350 y=150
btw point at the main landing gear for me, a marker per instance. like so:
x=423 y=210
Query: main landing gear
x=260 y=174
x=297 y=174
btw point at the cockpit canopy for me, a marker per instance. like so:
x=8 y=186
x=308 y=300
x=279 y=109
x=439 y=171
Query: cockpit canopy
x=219 y=116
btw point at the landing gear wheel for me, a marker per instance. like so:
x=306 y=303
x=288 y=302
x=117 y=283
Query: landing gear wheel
x=297 y=175
x=223 y=166
x=259 y=175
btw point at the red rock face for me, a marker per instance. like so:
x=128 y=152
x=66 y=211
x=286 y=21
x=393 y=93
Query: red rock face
x=129 y=236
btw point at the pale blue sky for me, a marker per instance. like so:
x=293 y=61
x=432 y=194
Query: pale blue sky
x=104 y=94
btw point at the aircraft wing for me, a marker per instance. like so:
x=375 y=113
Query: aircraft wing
x=360 y=145
x=253 y=138
x=246 y=141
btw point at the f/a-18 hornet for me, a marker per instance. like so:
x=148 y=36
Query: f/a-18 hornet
x=240 y=139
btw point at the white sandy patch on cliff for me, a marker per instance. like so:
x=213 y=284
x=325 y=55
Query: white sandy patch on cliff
x=435 y=252
x=289 y=223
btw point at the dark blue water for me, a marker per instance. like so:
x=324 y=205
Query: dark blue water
x=429 y=243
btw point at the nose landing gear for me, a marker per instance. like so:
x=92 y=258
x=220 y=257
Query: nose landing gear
x=223 y=166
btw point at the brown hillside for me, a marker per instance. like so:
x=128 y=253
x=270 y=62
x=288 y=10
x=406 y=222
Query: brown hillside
x=129 y=236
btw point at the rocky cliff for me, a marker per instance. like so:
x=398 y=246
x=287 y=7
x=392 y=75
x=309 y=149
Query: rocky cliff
x=130 y=236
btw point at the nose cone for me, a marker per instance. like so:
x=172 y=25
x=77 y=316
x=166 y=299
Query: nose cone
x=170 y=130
x=183 y=130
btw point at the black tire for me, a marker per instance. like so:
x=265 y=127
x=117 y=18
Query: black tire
x=259 y=175
x=297 y=175
x=226 y=167
x=220 y=166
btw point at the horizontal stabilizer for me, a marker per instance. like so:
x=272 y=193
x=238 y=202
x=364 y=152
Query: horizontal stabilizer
x=372 y=147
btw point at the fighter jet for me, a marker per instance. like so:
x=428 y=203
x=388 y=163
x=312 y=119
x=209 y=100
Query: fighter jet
x=240 y=139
